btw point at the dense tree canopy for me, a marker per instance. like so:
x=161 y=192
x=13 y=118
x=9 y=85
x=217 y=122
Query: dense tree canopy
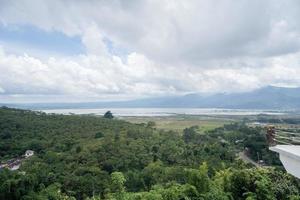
x=90 y=157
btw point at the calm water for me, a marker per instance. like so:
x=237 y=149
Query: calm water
x=164 y=111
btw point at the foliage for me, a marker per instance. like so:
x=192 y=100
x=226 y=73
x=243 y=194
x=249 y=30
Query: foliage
x=99 y=135
x=151 y=124
x=108 y=115
x=89 y=157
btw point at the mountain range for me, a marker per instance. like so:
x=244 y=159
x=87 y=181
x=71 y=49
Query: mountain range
x=264 y=98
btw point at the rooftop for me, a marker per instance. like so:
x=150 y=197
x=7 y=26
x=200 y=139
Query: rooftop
x=290 y=157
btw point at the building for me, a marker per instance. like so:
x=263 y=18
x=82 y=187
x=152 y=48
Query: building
x=29 y=153
x=283 y=142
x=290 y=157
x=12 y=164
x=15 y=163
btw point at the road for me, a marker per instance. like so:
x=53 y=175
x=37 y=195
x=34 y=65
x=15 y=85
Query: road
x=246 y=159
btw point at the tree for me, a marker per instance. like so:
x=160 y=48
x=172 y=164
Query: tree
x=5 y=134
x=78 y=149
x=117 y=182
x=99 y=135
x=108 y=115
x=190 y=134
x=151 y=124
x=199 y=178
x=117 y=186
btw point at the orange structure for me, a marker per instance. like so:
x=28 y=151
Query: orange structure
x=271 y=135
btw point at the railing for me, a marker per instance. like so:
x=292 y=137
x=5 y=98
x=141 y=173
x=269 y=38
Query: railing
x=286 y=137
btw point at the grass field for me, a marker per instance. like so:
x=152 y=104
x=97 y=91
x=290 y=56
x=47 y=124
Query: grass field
x=180 y=122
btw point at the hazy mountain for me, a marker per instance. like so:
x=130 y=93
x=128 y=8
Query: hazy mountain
x=265 y=98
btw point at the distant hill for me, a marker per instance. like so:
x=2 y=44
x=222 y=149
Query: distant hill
x=265 y=98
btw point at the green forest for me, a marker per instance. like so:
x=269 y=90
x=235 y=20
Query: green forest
x=91 y=157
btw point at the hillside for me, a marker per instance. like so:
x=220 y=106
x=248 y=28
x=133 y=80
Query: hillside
x=88 y=157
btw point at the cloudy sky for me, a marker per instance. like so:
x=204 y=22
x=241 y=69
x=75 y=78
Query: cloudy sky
x=88 y=50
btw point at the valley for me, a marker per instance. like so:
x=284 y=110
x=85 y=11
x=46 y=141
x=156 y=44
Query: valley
x=168 y=157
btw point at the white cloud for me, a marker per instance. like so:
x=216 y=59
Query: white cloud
x=87 y=75
x=174 y=47
x=94 y=41
x=171 y=31
x=92 y=76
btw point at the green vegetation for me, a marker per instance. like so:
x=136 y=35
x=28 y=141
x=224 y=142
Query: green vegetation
x=108 y=115
x=88 y=157
x=180 y=122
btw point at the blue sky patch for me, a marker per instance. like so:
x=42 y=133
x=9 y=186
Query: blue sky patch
x=32 y=37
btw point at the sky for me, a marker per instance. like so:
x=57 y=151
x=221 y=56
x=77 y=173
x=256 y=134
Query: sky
x=100 y=50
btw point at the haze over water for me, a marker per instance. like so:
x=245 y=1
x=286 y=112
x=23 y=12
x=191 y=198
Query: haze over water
x=164 y=111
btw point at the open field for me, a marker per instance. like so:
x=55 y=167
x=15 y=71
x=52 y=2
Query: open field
x=180 y=122
x=205 y=122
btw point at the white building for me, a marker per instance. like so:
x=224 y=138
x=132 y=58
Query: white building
x=29 y=153
x=15 y=167
x=290 y=157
